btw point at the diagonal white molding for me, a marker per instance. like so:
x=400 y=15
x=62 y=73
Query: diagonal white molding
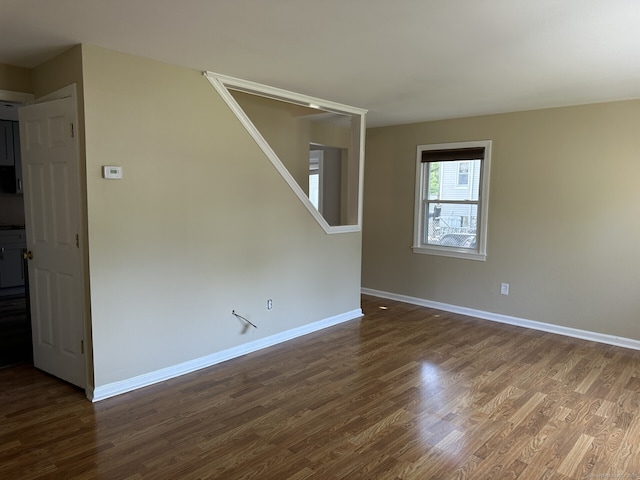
x=221 y=82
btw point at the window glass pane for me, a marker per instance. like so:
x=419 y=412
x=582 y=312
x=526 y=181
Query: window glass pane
x=432 y=223
x=447 y=178
x=434 y=180
x=314 y=191
x=453 y=225
x=463 y=174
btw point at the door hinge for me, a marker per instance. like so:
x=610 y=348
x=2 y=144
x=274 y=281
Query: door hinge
x=81 y=346
x=73 y=134
x=77 y=241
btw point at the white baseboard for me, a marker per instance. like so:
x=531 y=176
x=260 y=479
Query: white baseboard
x=116 y=388
x=520 y=322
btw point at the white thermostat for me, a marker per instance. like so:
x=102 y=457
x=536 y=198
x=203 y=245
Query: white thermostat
x=111 y=172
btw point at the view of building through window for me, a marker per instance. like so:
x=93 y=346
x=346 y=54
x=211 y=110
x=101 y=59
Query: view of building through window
x=452 y=203
x=452 y=190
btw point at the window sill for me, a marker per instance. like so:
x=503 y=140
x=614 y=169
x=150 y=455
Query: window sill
x=451 y=252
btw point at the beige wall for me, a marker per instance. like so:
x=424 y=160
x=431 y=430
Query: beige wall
x=563 y=227
x=200 y=225
x=289 y=129
x=16 y=79
x=58 y=72
x=286 y=134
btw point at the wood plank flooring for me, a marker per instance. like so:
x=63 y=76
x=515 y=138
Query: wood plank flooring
x=405 y=393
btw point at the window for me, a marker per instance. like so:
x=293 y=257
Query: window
x=315 y=178
x=463 y=175
x=452 y=196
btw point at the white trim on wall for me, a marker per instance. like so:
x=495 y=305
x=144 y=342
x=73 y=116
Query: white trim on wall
x=116 y=388
x=520 y=322
x=285 y=95
x=220 y=83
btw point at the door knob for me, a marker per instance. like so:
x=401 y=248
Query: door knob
x=27 y=254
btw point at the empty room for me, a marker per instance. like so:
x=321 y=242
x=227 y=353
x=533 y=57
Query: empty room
x=319 y=240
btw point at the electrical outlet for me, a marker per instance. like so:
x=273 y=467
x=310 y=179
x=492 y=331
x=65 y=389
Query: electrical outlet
x=269 y=304
x=504 y=288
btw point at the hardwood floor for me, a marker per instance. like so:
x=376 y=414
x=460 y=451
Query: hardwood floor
x=404 y=393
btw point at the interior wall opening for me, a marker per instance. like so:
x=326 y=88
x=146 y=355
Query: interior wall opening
x=316 y=145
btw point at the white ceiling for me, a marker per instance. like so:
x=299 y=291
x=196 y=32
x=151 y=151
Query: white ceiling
x=403 y=60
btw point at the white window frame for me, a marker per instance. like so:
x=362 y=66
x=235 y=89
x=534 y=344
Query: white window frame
x=422 y=189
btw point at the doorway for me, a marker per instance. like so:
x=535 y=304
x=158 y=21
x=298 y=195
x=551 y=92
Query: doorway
x=15 y=321
x=52 y=296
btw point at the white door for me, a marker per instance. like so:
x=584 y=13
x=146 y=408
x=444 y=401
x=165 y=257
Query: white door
x=52 y=217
